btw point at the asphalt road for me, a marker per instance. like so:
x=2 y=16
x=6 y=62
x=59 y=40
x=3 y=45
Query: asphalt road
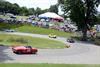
x=78 y=53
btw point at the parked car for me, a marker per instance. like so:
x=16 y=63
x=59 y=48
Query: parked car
x=1 y=20
x=9 y=30
x=52 y=35
x=70 y=40
x=24 y=50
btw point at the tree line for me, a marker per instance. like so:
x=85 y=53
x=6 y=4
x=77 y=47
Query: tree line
x=7 y=7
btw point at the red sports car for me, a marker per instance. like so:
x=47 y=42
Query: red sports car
x=24 y=50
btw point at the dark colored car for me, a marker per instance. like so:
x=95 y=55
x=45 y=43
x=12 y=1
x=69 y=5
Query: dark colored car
x=70 y=40
x=24 y=50
x=1 y=20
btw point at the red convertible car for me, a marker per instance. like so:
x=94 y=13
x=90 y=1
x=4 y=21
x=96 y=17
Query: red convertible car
x=24 y=50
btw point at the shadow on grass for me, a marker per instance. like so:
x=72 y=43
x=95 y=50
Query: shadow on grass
x=3 y=55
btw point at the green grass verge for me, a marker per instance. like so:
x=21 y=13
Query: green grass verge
x=49 y=65
x=39 y=30
x=32 y=41
x=5 y=17
x=19 y=17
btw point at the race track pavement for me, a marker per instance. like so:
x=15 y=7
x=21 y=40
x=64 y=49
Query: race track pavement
x=78 y=53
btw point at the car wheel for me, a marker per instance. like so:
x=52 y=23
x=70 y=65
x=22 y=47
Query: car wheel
x=14 y=52
x=19 y=52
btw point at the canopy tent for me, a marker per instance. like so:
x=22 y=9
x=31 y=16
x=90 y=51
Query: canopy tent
x=50 y=15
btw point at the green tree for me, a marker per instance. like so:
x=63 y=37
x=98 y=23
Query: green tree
x=7 y=7
x=45 y=10
x=3 y=5
x=23 y=11
x=2 y=0
x=82 y=12
x=15 y=9
x=31 y=11
x=38 y=11
x=54 y=8
x=98 y=19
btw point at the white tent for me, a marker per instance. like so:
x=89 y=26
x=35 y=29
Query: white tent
x=51 y=15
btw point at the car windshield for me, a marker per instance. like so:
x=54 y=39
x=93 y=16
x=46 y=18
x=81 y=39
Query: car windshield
x=28 y=46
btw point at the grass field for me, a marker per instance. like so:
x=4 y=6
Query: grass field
x=19 y=17
x=32 y=41
x=38 y=30
x=5 y=17
x=49 y=65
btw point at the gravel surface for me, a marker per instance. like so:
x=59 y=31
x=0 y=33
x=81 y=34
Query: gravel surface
x=78 y=53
